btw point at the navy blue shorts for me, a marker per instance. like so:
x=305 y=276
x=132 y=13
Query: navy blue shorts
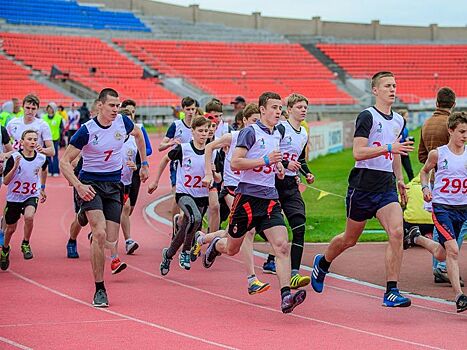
x=363 y=205
x=173 y=173
x=448 y=221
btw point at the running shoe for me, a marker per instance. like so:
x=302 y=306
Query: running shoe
x=318 y=275
x=461 y=303
x=100 y=299
x=4 y=259
x=131 y=246
x=409 y=237
x=269 y=267
x=90 y=237
x=184 y=260
x=196 y=248
x=117 y=266
x=258 y=287
x=2 y=237
x=82 y=218
x=395 y=299
x=175 y=225
x=165 y=264
x=211 y=254
x=291 y=301
x=299 y=281
x=441 y=275
x=27 y=252
x=72 y=250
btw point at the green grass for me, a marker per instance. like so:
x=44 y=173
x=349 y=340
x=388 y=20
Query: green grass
x=326 y=216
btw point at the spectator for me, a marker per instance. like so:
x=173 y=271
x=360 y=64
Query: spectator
x=18 y=111
x=73 y=121
x=55 y=122
x=434 y=134
x=64 y=115
x=7 y=113
x=94 y=109
x=405 y=159
x=84 y=114
x=238 y=103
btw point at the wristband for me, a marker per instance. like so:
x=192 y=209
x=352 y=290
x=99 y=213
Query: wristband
x=266 y=160
x=425 y=186
x=389 y=148
x=42 y=187
x=144 y=163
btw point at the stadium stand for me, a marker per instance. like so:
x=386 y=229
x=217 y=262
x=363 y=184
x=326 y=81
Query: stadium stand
x=90 y=62
x=68 y=13
x=229 y=69
x=420 y=69
x=17 y=83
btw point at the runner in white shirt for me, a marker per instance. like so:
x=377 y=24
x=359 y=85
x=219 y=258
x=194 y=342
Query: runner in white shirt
x=73 y=121
x=449 y=198
x=25 y=175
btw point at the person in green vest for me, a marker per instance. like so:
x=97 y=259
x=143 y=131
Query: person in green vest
x=18 y=111
x=55 y=122
x=6 y=115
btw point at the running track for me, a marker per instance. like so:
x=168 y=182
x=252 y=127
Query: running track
x=46 y=300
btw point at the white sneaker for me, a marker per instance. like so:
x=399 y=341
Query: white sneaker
x=131 y=246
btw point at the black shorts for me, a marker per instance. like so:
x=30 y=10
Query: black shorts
x=363 y=205
x=76 y=201
x=252 y=212
x=290 y=197
x=227 y=190
x=13 y=210
x=201 y=202
x=134 y=188
x=126 y=193
x=108 y=199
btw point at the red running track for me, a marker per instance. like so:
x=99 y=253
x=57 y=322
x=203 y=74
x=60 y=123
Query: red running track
x=46 y=300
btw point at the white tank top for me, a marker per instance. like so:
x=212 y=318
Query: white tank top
x=129 y=151
x=292 y=144
x=16 y=127
x=182 y=132
x=382 y=132
x=190 y=173
x=103 y=153
x=231 y=178
x=450 y=185
x=26 y=181
x=265 y=143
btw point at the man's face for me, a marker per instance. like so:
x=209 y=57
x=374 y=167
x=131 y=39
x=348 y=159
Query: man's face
x=218 y=115
x=29 y=142
x=50 y=110
x=298 y=111
x=16 y=105
x=212 y=129
x=109 y=108
x=132 y=111
x=459 y=134
x=201 y=133
x=190 y=111
x=271 y=112
x=30 y=110
x=385 y=90
x=251 y=120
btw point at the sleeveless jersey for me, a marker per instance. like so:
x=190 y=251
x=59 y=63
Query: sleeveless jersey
x=265 y=143
x=16 y=127
x=26 y=181
x=103 y=152
x=129 y=151
x=231 y=178
x=190 y=173
x=450 y=185
x=382 y=132
x=292 y=144
x=182 y=132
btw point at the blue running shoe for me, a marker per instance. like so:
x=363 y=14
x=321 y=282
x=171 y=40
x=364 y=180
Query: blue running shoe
x=72 y=250
x=317 y=275
x=2 y=237
x=269 y=267
x=395 y=299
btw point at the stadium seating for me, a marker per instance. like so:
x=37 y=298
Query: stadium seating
x=90 y=62
x=229 y=69
x=420 y=69
x=68 y=13
x=15 y=82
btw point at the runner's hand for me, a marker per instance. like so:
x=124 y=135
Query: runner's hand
x=402 y=148
x=274 y=157
x=427 y=195
x=280 y=171
x=43 y=196
x=86 y=192
x=144 y=173
x=402 y=191
x=310 y=178
x=294 y=166
x=207 y=180
x=152 y=187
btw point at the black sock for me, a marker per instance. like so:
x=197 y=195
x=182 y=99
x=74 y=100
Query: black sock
x=271 y=258
x=390 y=285
x=285 y=291
x=324 y=264
x=25 y=242
x=100 y=285
x=72 y=240
x=5 y=249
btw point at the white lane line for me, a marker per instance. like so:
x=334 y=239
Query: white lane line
x=60 y=323
x=15 y=344
x=114 y=313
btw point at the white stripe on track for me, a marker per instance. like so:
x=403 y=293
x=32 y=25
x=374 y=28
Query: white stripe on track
x=13 y=343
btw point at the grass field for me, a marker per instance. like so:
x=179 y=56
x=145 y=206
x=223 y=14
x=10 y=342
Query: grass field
x=326 y=216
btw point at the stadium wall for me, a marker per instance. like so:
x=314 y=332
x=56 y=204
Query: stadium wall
x=293 y=27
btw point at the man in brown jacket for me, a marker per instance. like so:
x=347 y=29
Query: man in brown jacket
x=435 y=134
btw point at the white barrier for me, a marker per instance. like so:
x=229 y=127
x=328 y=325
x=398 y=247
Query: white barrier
x=325 y=138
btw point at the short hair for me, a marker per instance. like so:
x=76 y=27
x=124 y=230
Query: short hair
x=199 y=121
x=249 y=110
x=457 y=118
x=128 y=102
x=61 y=107
x=107 y=92
x=403 y=112
x=125 y=111
x=214 y=106
x=378 y=76
x=239 y=119
x=32 y=99
x=29 y=131
x=296 y=98
x=188 y=101
x=445 y=98
x=266 y=96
